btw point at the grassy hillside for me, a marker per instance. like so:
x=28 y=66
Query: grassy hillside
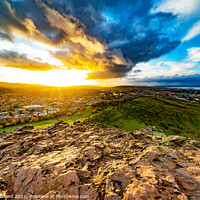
x=172 y=116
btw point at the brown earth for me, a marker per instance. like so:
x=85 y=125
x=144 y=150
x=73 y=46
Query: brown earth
x=84 y=161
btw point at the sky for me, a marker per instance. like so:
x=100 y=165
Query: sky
x=109 y=42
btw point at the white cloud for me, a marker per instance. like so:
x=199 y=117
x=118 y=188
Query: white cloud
x=162 y=69
x=33 y=50
x=193 y=32
x=188 y=66
x=179 y=68
x=148 y=70
x=194 y=54
x=185 y=7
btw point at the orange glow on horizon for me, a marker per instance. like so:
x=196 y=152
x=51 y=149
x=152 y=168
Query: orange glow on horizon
x=55 y=77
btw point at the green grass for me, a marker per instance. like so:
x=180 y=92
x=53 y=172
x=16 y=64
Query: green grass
x=42 y=124
x=174 y=117
x=78 y=115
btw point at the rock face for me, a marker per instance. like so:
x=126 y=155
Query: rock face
x=84 y=161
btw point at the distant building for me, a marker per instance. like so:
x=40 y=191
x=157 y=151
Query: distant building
x=3 y=113
x=34 y=107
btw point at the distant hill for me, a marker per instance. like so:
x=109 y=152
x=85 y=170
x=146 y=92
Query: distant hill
x=24 y=85
x=17 y=89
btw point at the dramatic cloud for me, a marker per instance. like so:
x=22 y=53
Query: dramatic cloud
x=107 y=37
x=33 y=51
x=10 y=22
x=16 y=60
x=173 y=81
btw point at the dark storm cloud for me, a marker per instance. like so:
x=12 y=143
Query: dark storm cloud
x=106 y=37
x=9 y=20
x=117 y=71
x=174 y=81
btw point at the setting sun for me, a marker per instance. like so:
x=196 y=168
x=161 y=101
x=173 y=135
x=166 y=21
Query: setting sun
x=55 y=77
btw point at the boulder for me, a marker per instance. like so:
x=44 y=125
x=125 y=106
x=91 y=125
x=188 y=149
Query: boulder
x=138 y=190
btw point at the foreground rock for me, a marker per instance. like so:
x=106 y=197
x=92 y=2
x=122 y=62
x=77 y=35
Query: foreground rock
x=87 y=162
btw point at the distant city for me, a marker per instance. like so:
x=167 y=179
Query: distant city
x=20 y=106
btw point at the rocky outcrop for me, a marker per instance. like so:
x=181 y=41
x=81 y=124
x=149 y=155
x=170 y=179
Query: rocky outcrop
x=84 y=161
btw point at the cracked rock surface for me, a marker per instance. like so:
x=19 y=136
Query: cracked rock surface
x=84 y=161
